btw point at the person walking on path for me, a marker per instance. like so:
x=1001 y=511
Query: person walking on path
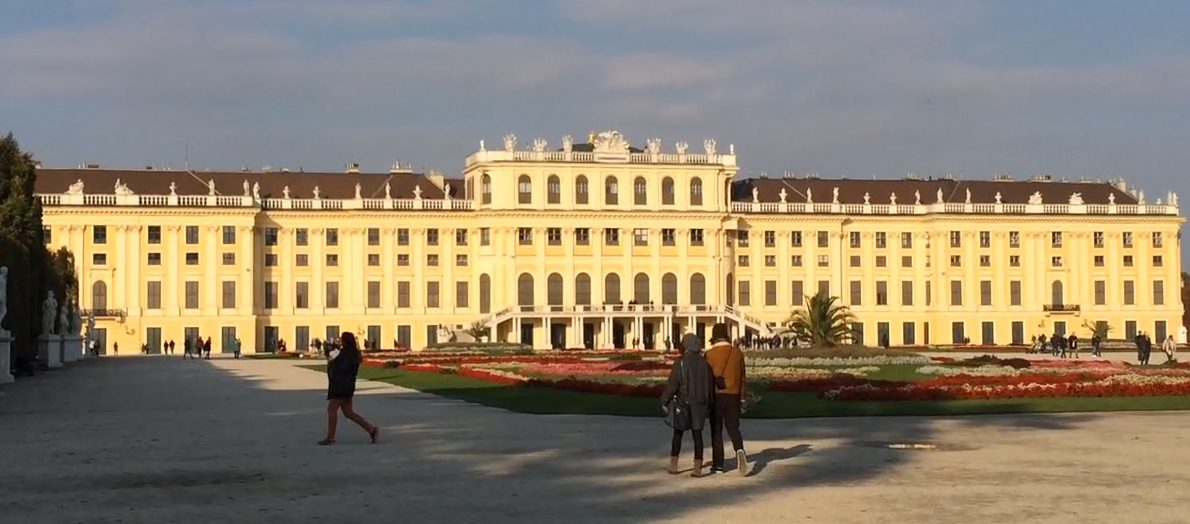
x=235 y=348
x=692 y=385
x=206 y=349
x=1170 y=348
x=342 y=368
x=1096 y=343
x=727 y=366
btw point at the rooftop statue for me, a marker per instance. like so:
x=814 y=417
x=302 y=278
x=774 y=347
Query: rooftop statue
x=709 y=145
x=1111 y=199
x=917 y=198
x=940 y=200
x=482 y=146
x=998 y=197
x=653 y=145
x=892 y=199
x=317 y=193
x=211 y=187
x=510 y=142
x=417 y=192
x=122 y=189
x=681 y=147
x=867 y=198
x=173 y=189
x=247 y=188
x=539 y=145
x=1076 y=199
x=357 y=191
x=76 y=188
x=783 y=194
x=755 y=194
x=1035 y=199
x=567 y=143
x=809 y=196
x=610 y=142
x=285 y=192
x=1173 y=199
x=731 y=149
x=446 y=191
x=256 y=190
x=388 y=190
x=968 y=200
x=835 y=195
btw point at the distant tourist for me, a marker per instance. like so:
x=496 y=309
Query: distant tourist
x=342 y=368
x=727 y=367
x=206 y=349
x=687 y=401
x=235 y=348
x=171 y=346
x=1170 y=348
x=115 y=348
x=1096 y=345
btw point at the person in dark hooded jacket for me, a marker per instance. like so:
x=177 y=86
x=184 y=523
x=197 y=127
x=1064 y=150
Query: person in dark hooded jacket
x=692 y=375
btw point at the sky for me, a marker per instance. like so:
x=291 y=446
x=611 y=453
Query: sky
x=1080 y=88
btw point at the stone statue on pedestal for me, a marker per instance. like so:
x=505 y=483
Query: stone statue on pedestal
x=63 y=320
x=256 y=190
x=783 y=194
x=917 y=198
x=76 y=320
x=755 y=194
x=49 y=309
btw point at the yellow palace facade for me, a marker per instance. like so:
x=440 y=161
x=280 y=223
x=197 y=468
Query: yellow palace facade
x=603 y=245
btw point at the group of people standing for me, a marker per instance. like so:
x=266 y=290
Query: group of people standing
x=707 y=386
x=1063 y=346
x=1144 y=347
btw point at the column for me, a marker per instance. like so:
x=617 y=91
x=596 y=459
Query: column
x=285 y=291
x=210 y=284
x=683 y=240
x=417 y=288
x=387 y=261
x=131 y=267
x=317 y=287
x=173 y=257
x=246 y=288
x=119 y=283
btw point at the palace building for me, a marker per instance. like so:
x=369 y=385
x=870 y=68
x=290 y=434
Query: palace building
x=601 y=244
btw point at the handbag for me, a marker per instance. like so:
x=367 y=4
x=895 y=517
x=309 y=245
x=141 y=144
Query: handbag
x=677 y=410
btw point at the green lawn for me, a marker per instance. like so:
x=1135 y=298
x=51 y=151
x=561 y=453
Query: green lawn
x=773 y=404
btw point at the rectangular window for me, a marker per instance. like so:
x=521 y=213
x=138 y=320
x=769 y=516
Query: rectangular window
x=669 y=237
x=154 y=234
x=302 y=260
x=745 y=293
x=332 y=295
x=229 y=235
x=432 y=237
x=823 y=261
x=906 y=261
x=270 y=236
x=374 y=294
x=460 y=237
x=770 y=239
x=1014 y=293
x=854 y=239
x=1100 y=293
x=1160 y=329
x=301 y=295
x=956 y=292
x=857 y=333
x=462 y=294
x=1158 y=242
x=485 y=236
x=881 y=240
x=906 y=292
x=857 y=293
x=906 y=240
x=956 y=239
x=332 y=332
x=403 y=289
x=301 y=236
x=332 y=236
x=611 y=237
x=795 y=238
x=1127 y=239
x=374 y=259
x=770 y=260
x=743 y=261
x=1129 y=329
x=929 y=299
x=47 y=235
x=854 y=261
x=1014 y=260
x=881 y=293
x=824 y=239
x=582 y=236
x=191 y=294
x=985 y=292
x=403 y=259
x=1018 y=332
x=1159 y=294
x=881 y=261
x=798 y=294
x=432 y=330
x=956 y=261
x=99 y=259
x=1014 y=239
x=405 y=336
x=1129 y=293
x=403 y=236
x=988 y=329
x=1158 y=261
x=795 y=261
x=824 y=287
x=742 y=238
x=553 y=236
x=1127 y=260
x=301 y=338
x=770 y=292
x=432 y=298
x=1099 y=261
x=153 y=294
x=432 y=260
x=272 y=291
x=229 y=259
x=1097 y=239
x=696 y=237
x=524 y=236
x=229 y=294
x=332 y=260
x=1056 y=239
x=461 y=260
x=373 y=236
x=985 y=239
x=958 y=332
x=99 y=234
x=271 y=260
x=1056 y=261
x=908 y=333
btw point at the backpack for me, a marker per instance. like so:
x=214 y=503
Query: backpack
x=677 y=412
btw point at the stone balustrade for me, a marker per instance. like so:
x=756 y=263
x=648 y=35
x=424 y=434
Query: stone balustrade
x=378 y=204
x=591 y=157
x=953 y=208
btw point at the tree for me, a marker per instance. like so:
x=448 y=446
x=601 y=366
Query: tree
x=478 y=330
x=1099 y=328
x=823 y=322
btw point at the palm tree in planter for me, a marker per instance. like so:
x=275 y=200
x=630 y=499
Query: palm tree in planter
x=824 y=322
x=478 y=330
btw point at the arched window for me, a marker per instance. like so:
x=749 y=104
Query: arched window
x=99 y=295
x=640 y=190
x=524 y=189
x=553 y=188
x=582 y=191
x=553 y=289
x=1056 y=290
x=695 y=191
x=669 y=289
x=485 y=293
x=485 y=186
x=640 y=288
x=582 y=289
x=730 y=290
x=611 y=191
x=698 y=289
x=524 y=290
x=667 y=191
x=611 y=289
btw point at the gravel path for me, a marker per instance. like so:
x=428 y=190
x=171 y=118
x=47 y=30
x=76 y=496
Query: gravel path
x=160 y=440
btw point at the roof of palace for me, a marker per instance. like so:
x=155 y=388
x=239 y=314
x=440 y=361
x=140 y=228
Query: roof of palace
x=231 y=183
x=852 y=191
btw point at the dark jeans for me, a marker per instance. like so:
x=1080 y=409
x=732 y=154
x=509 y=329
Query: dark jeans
x=675 y=447
x=726 y=412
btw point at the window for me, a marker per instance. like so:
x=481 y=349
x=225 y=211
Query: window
x=956 y=239
x=154 y=259
x=154 y=234
x=302 y=260
x=1127 y=239
x=906 y=292
x=1014 y=293
x=1100 y=293
x=985 y=292
x=958 y=332
x=1099 y=261
x=854 y=261
x=985 y=239
x=881 y=293
x=956 y=261
x=301 y=295
x=857 y=333
x=906 y=240
x=667 y=191
x=332 y=237
x=373 y=259
x=1160 y=330
x=582 y=236
x=824 y=239
x=432 y=237
x=524 y=190
x=524 y=236
x=229 y=259
x=611 y=191
x=1014 y=239
x=153 y=294
x=795 y=261
x=462 y=294
x=582 y=191
x=302 y=236
x=1158 y=261
x=823 y=260
x=770 y=261
x=1018 y=332
x=553 y=236
x=99 y=259
x=824 y=287
x=485 y=236
x=301 y=338
x=1014 y=260
x=270 y=236
x=908 y=333
x=696 y=237
x=229 y=294
x=743 y=261
x=229 y=235
x=770 y=239
x=1129 y=329
x=461 y=260
x=191 y=294
x=403 y=290
x=485 y=189
x=985 y=260
x=432 y=260
x=795 y=239
x=99 y=234
x=332 y=260
x=1129 y=293
x=1098 y=239
x=857 y=293
x=906 y=261
x=47 y=235
x=669 y=237
x=373 y=236
x=402 y=237
x=695 y=192
x=432 y=298
x=1056 y=239
x=640 y=190
x=956 y=292
x=373 y=294
x=553 y=190
x=770 y=292
x=332 y=295
x=1127 y=260
x=798 y=294
x=988 y=332
x=191 y=259
x=405 y=336
x=741 y=237
x=611 y=237
x=745 y=293
x=881 y=240
x=271 y=292
x=854 y=239
x=1056 y=261
x=1158 y=241
x=460 y=237
x=1159 y=294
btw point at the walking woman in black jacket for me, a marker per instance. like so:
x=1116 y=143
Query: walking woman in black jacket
x=341 y=370
x=690 y=377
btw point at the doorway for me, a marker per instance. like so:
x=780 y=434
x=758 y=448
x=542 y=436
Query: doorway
x=190 y=334
x=558 y=335
x=617 y=335
x=588 y=335
x=100 y=335
x=272 y=334
x=648 y=338
x=527 y=334
x=153 y=339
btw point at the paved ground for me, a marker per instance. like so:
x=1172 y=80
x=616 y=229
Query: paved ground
x=160 y=440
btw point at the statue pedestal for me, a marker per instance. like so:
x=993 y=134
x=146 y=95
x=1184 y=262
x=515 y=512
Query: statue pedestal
x=5 y=358
x=49 y=349
x=72 y=348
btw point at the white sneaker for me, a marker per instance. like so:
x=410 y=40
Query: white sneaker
x=741 y=462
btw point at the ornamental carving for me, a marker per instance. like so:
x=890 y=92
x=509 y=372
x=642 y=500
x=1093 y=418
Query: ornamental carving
x=610 y=142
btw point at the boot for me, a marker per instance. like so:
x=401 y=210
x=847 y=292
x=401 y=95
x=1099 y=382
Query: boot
x=741 y=462
x=697 y=472
x=673 y=465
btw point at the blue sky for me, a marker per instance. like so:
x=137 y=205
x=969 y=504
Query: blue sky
x=1076 y=89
